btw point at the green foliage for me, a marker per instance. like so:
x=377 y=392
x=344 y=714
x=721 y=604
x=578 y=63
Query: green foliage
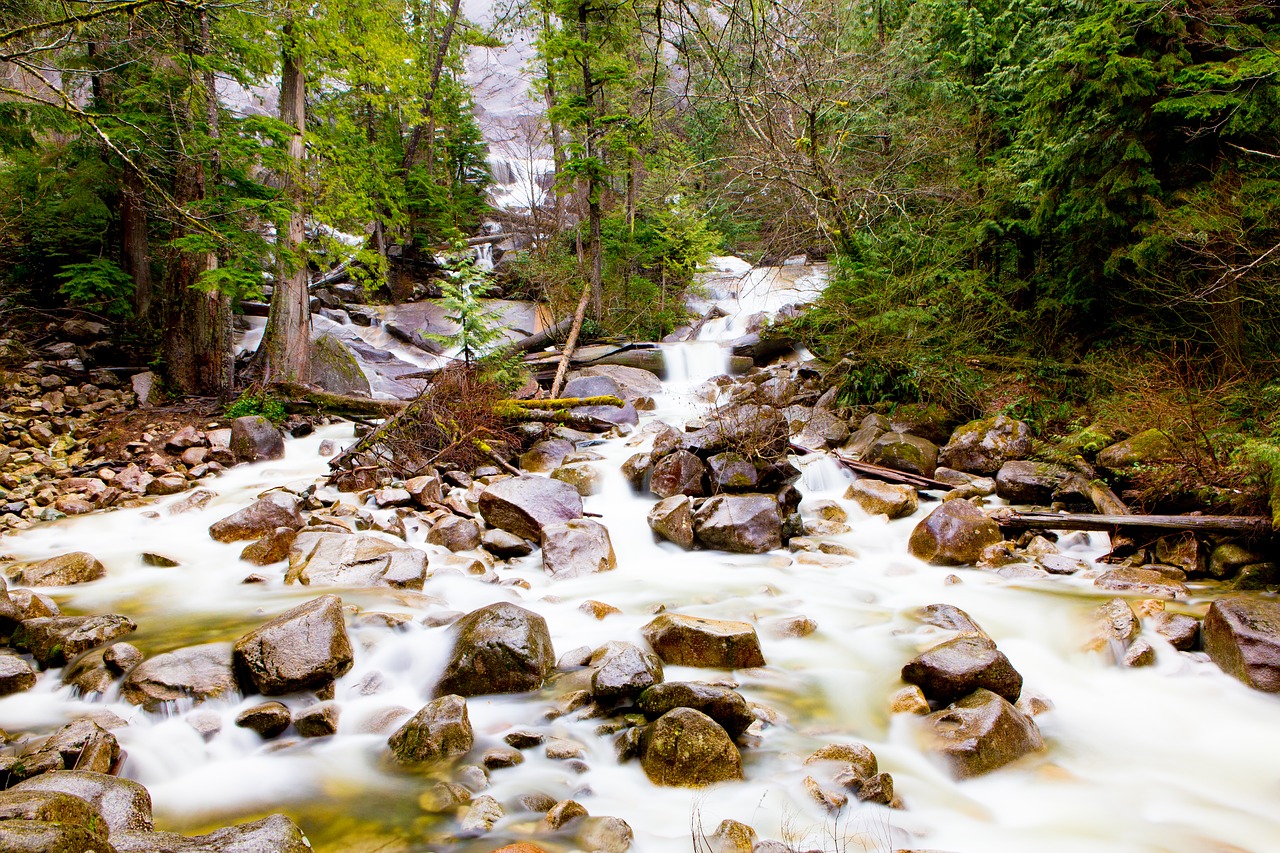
x=99 y=285
x=255 y=401
x=464 y=288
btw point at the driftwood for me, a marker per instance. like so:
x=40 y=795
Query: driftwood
x=579 y=315
x=538 y=340
x=644 y=356
x=1102 y=498
x=1240 y=525
x=889 y=475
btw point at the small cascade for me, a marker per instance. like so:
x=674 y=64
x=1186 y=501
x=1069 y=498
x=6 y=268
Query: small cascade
x=484 y=257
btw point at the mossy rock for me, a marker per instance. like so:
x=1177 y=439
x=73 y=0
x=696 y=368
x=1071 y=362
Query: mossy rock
x=335 y=369
x=1146 y=447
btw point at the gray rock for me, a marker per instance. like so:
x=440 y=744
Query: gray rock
x=903 y=452
x=583 y=476
x=1022 y=482
x=1148 y=582
x=750 y=429
x=725 y=706
x=337 y=559
x=622 y=671
x=1146 y=447
x=505 y=545
x=1242 y=636
x=27 y=836
x=273 y=834
x=694 y=641
x=259 y=519
x=637 y=469
x=254 y=439
x=981 y=733
x=744 y=524
x=303 y=648
x=672 y=519
x=686 y=748
x=545 y=455
x=982 y=446
x=731 y=472
x=16 y=675
x=880 y=498
x=862 y=440
x=335 y=368
x=44 y=807
x=194 y=673
x=426 y=489
x=123 y=805
x=455 y=533
x=1182 y=632
x=63 y=570
x=501 y=648
x=440 y=731
x=524 y=505
x=954 y=534
x=957 y=667
x=577 y=547
x=53 y=640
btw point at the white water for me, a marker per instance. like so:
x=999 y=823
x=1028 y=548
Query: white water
x=1177 y=757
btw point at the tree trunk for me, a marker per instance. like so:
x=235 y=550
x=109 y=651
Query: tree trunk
x=135 y=247
x=595 y=277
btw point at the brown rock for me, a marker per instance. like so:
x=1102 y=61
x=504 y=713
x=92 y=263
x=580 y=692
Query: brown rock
x=953 y=534
x=303 y=648
x=524 y=505
x=1242 y=636
x=441 y=730
x=694 y=641
x=63 y=570
x=957 y=667
x=195 y=673
x=686 y=748
x=981 y=733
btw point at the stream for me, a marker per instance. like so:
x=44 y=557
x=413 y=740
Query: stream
x=1173 y=757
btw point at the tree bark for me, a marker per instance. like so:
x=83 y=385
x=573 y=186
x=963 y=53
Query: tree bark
x=595 y=271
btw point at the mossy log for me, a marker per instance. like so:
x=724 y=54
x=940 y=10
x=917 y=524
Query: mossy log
x=1249 y=526
x=303 y=399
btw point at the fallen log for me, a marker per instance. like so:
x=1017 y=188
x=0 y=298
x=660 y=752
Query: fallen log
x=889 y=475
x=538 y=340
x=303 y=399
x=1103 y=499
x=1240 y=525
x=762 y=348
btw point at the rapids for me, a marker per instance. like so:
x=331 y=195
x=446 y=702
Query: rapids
x=1174 y=757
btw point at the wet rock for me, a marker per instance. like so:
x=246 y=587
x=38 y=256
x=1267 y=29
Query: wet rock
x=903 y=452
x=731 y=472
x=167 y=484
x=268 y=719
x=524 y=505
x=122 y=804
x=686 y=748
x=949 y=618
x=725 y=706
x=1182 y=632
x=583 y=476
x=954 y=534
x=909 y=700
x=1060 y=564
x=303 y=648
x=785 y=627
x=672 y=519
x=604 y=835
x=745 y=524
x=16 y=675
x=338 y=559
x=44 y=807
x=389 y=498
x=545 y=455
x=271 y=548
x=1227 y=559
x=26 y=836
x=425 y=489
x=1022 y=482
x=499 y=757
x=694 y=641
x=678 y=473
x=195 y=673
x=1148 y=582
x=53 y=640
x=981 y=733
x=749 y=428
x=319 y=720
x=273 y=834
x=455 y=533
x=501 y=648
x=505 y=545
x=732 y=836
x=636 y=469
x=982 y=446
x=1140 y=653
x=1117 y=627
x=957 y=667
x=441 y=730
x=259 y=519
x=481 y=816
x=1242 y=636
x=880 y=498
x=575 y=548
x=254 y=438
x=623 y=670
x=30 y=604
x=63 y=570
x=563 y=813
x=1143 y=448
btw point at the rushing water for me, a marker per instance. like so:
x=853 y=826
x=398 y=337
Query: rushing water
x=1175 y=757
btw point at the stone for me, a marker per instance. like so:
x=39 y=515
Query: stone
x=259 y=519
x=389 y=498
x=909 y=700
x=481 y=816
x=564 y=812
x=53 y=640
x=1023 y=482
x=425 y=489
x=505 y=545
x=604 y=834
x=862 y=440
x=1146 y=447
x=678 y=473
x=268 y=719
x=16 y=675
x=501 y=648
x=583 y=476
x=731 y=472
x=959 y=666
x=63 y=570
x=1182 y=632
x=949 y=618
x=980 y=733
x=526 y=504
x=636 y=469
x=672 y=519
x=334 y=368
x=498 y=757
x=1242 y=636
x=694 y=641
x=194 y=673
x=545 y=456
x=273 y=834
x=1060 y=564
x=303 y=648
x=44 y=807
x=440 y=731
x=254 y=439
x=1117 y=627
x=271 y=548
x=623 y=671
x=731 y=836
x=879 y=498
x=686 y=748
x=982 y=446
x=144 y=386
x=319 y=558
x=29 y=836
x=1148 y=582
x=122 y=804
x=751 y=429
x=1140 y=653
x=577 y=547
x=727 y=707
x=903 y=452
x=320 y=720
x=455 y=533
x=1227 y=559
x=744 y=524
x=954 y=534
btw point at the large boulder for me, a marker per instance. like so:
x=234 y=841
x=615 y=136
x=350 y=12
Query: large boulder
x=271 y=548
x=903 y=452
x=1145 y=581
x=44 y=807
x=982 y=446
x=981 y=733
x=273 y=834
x=335 y=368
x=340 y=559
x=455 y=533
x=53 y=640
x=686 y=748
x=82 y=744
x=678 y=473
x=63 y=570
x=501 y=648
x=727 y=707
x=304 y=648
x=441 y=730
x=30 y=836
x=1242 y=635
x=953 y=669
x=600 y=386
x=1146 y=447
x=545 y=456
x=254 y=438
x=749 y=428
x=744 y=524
x=954 y=534
x=577 y=547
x=731 y=472
x=622 y=670
x=122 y=804
x=694 y=641
x=261 y=518
x=16 y=675
x=524 y=505
x=672 y=519
x=1023 y=482
x=631 y=382
x=880 y=498
x=195 y=673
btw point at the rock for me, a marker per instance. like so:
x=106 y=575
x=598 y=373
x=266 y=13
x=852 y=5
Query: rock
x=194 y=673
x=425 y=489
x=694 y=641
x=16 y=675
x=144 y=386
x=604 y=835
x=44 y=807
x=320 y=720
x=750 y=429
x=577 y=547
x=957 y=667
x=725 y=706
x=27 y=836
x=731 y=472
x=338 y=559
x=1060 y=564
x=848 y=760
x=623 y=671
x=53 y=640
x=982 y=446
x=254 y=438
x=903 y=452
x=1148 y=582
x=505 y=545
x=1146 y=447
x=440 y=731
x=564 y=812
x=732 y=837
x=268 y=719
x=744 y=524
x=524 y=505
x=686 y=748
x=954 y=534
x=271 y=548
x=672 y=519
x=481 y=816
x=981 y=733
x=630 y=382
x=261 y=518
x=334 y=367
x=303 y=648
x=501 y=648
x=545 y=455
x=1242 y=636
x=1181 y=631
x=583 y=476
x=1140 y=653
x=880 y=498
x=678 y=473
x=273 y=834
x=1022 y=482
x=1117 y=627
x=63 y=570
x=636 y=469
x=455 y=533
x=123 y=805
x=1227 y=559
